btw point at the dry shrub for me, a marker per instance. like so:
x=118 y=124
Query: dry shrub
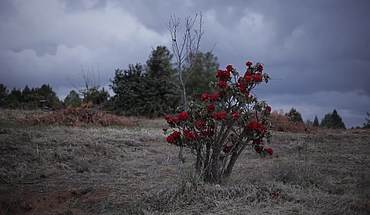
x=76 y=117
x=281 y=122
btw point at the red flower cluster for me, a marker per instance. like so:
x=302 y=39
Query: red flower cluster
x=260 y=68
x=170 y=119
x=242 y=87
x=249 y=63
x=172 y=137
x=253 y=125
x=223 y=74
x=261 y=129
x=256 y=141
x=222 y=93
x=258 y=149
x=183 y=116
x=219 y=115
x=235 y=115
x=229 y=67
x=257 y=78
x=208 y=133
x=210 y=108
x=214 y=97
x=268 y=108
x=205 y=97
x=276 y=194
x=270 y=151
x=222 y=84
x=200 y=124
x=224 y=148
x=189 y=135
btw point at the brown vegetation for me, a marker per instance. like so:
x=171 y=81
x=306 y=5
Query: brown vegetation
x=76 y=117
x=281 y=122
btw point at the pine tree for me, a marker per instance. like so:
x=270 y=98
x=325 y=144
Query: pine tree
x=367 y=124
x=333 y=121
x=129 y=89
x=73 y=99
x=204 y=72
x=316 y=122
x=295 y=116
x=3 y=95
x=163 y=93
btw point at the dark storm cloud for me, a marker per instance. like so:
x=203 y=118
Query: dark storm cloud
x=318 y=52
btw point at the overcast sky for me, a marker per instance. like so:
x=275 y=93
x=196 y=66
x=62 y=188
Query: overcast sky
x=317 y=51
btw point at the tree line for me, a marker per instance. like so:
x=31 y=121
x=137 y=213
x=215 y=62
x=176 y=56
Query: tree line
x=330 y=120
x=149 y=90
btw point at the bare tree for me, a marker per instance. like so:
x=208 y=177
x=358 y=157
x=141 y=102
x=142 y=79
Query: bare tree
x=185 y=51
x=89 y=79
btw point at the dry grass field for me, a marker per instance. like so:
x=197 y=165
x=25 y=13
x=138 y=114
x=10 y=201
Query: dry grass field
x=132 y=170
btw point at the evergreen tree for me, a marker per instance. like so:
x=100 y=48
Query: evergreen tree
x=3 y=95
x=26 y=94
x=163 y=93
x=46 y=93
x=367 y=124
x=146 y=94
x=129 y=89
x=316 y=122
x=73 y=99
x=333 y=121
x=96 y=96
x=204 y=72
x=295 y=116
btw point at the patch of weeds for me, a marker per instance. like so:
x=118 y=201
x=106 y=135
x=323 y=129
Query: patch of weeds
x=134 y=208
x=301 y=174
x=4 y=124
x=190 y=181
x=25 y=137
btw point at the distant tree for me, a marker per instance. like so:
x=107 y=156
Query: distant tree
x=315 y=122
x=73 y=99
x=367 y=124
x=333 y=121
x=185 y=49
x=295 y=116
x=129 y=88
x=162 y=94
x=309 y=122
x=51 y=100
x=91 y=91
x=14 y=98
x=96 y=96
x=3 y=95
x=26 y=94
x=204 y=72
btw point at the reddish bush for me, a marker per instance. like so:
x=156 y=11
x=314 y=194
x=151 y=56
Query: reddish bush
x=77 y=116
x=281 y=122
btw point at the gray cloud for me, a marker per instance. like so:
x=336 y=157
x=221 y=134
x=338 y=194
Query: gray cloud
x=318 y=52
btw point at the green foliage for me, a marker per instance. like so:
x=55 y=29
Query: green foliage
x=146 y=94
x=315 y=122
x=367 y=124
x=96 y=96
x=129 y=87
x=3 y=95
x=333 y=121
x=294 y=116
x=29 y=98
x=73 y=99
x=205 y=67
